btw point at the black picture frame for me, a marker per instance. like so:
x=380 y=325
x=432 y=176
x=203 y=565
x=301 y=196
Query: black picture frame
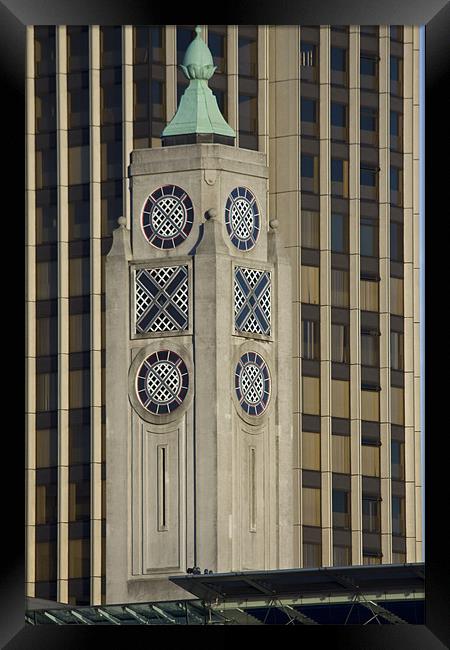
x=435 y=15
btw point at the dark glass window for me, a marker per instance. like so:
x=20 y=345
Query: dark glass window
x=111 y=152
x=339 y=288
x=338 y=114
x=46 y=336
x=398 y=515
x=111 y=96
x=371 y=514
x=308 y=110
x=79 y=492
x=79 y=332
x=398 y=460
x=395 y=179
x=248 y=50
x=396 y=241
x=342 y=555
x=79 y=276
x=395 y=123
x=339 y=233
x=310 y=229
x=311 y=339
x=79 y=212
x=78 y=99
x=46 y=279
x=46 y=567
x=46 y=448
x=338 y=59
x=148 y=44
x=79 y=157
x=248 y=114
x=307 y=166
x=312 y=555
x=368 y=66
x=46 y=161
x=44 y=51
x=79 y=388
x=395 y=68
x=79 y=443
x=112 y=206
x=46 y=496
x=337 y=169
x=47 y=391
x=217 y=43
x=397 y=351
x=369 y=349
x=45 y=104
x=46 y=216
x=369 y=237
x=368 y=176
x=341 y=509
x=110 y=46
x=368 y=119
x=340 y=343
x=185 y=35
x=77 y=48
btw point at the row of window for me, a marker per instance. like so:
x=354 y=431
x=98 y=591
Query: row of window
x=340 y=400
x=369 y=240
x=342 y=556
x=340 y=455
x=371 y=511
x=339 y=174
x=340 y=347
x=340 y=290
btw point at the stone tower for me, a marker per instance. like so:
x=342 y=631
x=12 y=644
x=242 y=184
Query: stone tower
x=198 y=361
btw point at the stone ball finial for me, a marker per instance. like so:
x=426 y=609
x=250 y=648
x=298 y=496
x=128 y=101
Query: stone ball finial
x=274 y=223
x=211 y=214
x=122 y=221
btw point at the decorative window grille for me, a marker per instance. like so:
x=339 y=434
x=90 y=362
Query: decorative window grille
x=161 y=299
x=252 y=301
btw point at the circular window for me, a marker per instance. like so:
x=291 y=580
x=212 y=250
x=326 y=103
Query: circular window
x=252 y=383
x=167 y=217
x=162 y=382
x=242 y=218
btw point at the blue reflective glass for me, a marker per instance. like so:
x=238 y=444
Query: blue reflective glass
x=395 y=68
x=368 y=66
x=307 y=166
x=338 y=239
x=338 y=58
x=337 y=170
x=394 y=123
x=338 y=114
x=368 y=177
x=368 y=120
x=308 y=110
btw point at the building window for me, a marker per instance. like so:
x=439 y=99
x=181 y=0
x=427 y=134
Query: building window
x=311 y=451
x=79 y=332
x=217 y=42
x=396 y=296
x=79 y=388
x=339 y=288
x=310 y=173
x=46 y=280
x=369 y=295
x=248 y=86
x=396 y=241
x=341 y=509
x=310 y=284
x=77 y=48
x=148 y=45
x=398 y=516
x=308 y=110
x=342 y=556
x=110 y=46
x=395 y=68
x=46 y=448
x=396 y=182
x=311 y=506
x=312 y=555
x=370 y=405
x=371 y=558
x=368 y=118
x=340 y=398
x=46 y=336
x=79 y=164
x=46 y=161
x=368 y=70
x=369 y=182
x=339 y=177
x=370 y=458
x=111 y=96
x=111 y=206
x=46 y=216
x=47 y=391
x=397 y=351
x=398 y=558
x=79 y=212
x=79 y=276
x=111 y=153
x=339 y=343
x=79 y=493
x=339 y=233
x=369 y=348
x=310 y=229
x=371 y=514
x=338 y=114
x=311 y=395
x=46 y=496
x=307 y=54
x=79 y=558
x=369 y=237
x=311 y=339
x=338 y=59
x=44 y=51
x=341 y=454
x=46 y=563
x=396 y=121
x=398 y=460
x=397 y=406
x=80 y=443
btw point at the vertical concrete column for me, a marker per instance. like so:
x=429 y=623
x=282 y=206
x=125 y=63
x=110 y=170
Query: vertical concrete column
x=232 y=71
x=417 y=297
x=325 y=296
x=30 y=288
x=263 y=89
x=409 y=295
x=63 y=315
x=284 y=203
x=384 y=294
x=127 y=114
x=171 y=71
x=96 y=315
x=355 y=315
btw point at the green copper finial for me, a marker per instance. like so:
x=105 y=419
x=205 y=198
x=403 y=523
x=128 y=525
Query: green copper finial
x=198 y=112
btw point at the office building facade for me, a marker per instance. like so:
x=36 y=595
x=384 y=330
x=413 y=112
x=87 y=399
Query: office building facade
x=335 y=110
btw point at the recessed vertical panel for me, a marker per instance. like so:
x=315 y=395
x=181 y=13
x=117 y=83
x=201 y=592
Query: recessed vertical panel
x=161 y=503
x=252 y=500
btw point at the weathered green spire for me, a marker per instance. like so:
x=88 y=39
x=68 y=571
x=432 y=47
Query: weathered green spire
x=198 y=118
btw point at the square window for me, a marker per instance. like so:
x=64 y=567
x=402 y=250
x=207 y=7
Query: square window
x=368 y=176
x=368 y=119
x=368 y=66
